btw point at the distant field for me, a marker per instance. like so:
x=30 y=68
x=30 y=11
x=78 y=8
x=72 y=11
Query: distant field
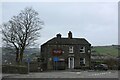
x=105 y=50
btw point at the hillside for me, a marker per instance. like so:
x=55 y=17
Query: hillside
x=105 y=50
x=8 y=55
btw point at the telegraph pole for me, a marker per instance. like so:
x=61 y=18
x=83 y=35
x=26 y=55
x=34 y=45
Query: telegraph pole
x=28 y=61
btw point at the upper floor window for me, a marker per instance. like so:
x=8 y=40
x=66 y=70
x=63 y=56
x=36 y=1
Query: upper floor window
x=82 y=49
x=71 y=49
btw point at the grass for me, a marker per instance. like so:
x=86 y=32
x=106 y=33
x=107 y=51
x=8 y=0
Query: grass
x=106 y=50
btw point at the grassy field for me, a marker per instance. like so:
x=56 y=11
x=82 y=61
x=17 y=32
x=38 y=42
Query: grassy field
x=105 y=50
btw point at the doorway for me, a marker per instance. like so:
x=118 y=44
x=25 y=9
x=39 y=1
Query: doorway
x=70 y=62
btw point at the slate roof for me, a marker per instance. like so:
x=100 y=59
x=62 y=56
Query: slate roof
x=66 y=41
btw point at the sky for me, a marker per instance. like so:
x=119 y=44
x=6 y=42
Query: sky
x=95 y=21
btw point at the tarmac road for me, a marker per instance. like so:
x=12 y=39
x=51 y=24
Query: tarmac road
x=66 y=74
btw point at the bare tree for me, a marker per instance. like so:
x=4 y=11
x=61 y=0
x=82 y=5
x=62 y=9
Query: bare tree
x=22 y=31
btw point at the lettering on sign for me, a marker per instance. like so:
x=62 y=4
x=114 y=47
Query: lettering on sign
x=56 y=52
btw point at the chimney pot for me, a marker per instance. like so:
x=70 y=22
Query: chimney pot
x=70 y=35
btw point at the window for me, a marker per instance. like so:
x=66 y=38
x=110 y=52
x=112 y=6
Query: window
x=71 y=49
x=82 y=61
x=82 y=50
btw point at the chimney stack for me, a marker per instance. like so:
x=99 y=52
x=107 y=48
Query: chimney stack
x=70 y=35
x=58 y=35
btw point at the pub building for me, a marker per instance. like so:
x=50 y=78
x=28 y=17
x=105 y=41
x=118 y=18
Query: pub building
x=66 y=53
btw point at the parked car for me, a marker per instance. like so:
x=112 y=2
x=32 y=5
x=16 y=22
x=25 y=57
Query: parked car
x=101 y=67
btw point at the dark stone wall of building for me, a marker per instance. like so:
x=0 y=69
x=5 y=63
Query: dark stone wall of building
x=79 y=55
x=46 y=51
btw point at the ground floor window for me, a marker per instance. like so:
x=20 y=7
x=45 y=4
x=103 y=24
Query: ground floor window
x=82 y=61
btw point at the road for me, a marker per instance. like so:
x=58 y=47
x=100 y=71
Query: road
x=66 y=74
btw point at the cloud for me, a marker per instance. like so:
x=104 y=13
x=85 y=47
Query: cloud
x=97 y=22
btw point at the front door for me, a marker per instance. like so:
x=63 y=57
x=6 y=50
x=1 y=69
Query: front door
x=71 y=62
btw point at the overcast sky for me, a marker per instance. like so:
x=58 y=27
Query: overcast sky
x=97 y=22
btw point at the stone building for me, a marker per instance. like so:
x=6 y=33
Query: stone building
x=66 y=53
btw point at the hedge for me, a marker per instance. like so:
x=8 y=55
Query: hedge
x=14 y=69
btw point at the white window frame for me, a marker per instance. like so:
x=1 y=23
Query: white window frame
x=83 y=50
x=70 y=49
x=83 y=61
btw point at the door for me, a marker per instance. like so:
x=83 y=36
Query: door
x=71 y=62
